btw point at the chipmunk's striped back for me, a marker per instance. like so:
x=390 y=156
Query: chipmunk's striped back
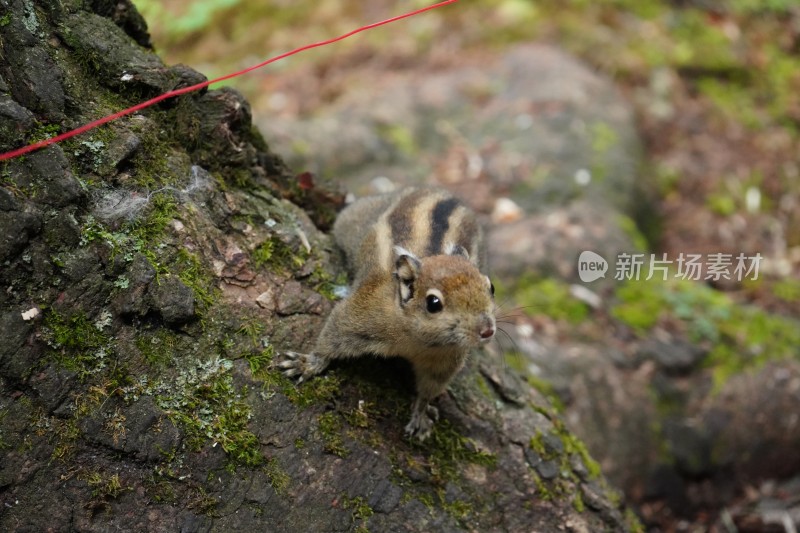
x=418 y=292
x=425 y=222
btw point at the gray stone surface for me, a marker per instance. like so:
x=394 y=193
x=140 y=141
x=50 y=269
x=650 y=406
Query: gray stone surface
x=173 y=300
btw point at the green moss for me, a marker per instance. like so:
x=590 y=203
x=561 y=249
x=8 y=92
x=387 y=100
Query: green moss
x=203 y=503
x=668 y=403
x=278 y=256
x=448 y=451
x=437 y=499
x=321 y=390
x=152 y=170
x=262 y=255
x=642 y=303
x=93 y=230
x=253 y=328
x=701 y=308
x=575 y=446
x=603 y=139
x=360 y=507
x=161 y=490
x=567 y=484
x=4 y=440
x=105 y=487
x=483 y=386
x=197 y=277
x=542 y=489
x=77 y=343
x=278 y=478
x=44 y=131
x=326 y=284
x=158 y=347
x=549 y=297
x=459 y=509
x=161 y=211
x=516 y=362
x=639 y=305
x=426 y=499
x=570 y=446
x=633 y=522
x=66 y=435
x=740 y=337
x=143 y=235
x=547 y=390
x=631 y=230
x=733 y=100
x=756 y=7
x=260 y=361
x=537 y=444
x=5 y=20
x=445 y=455
x=787 y=290
x=748 y=79
x=205 y=403
x=359 y=417
x=667 y=177
x=721 y=204
x=242 y=178
x=701 y=45
x=401 y=137
x=749 y=338
x=577 y=502
x=330 y=429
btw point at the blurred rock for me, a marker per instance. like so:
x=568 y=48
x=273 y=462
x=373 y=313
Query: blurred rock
x=549 y=242
x=675 y=356
x=754 y=422
x=536 y=120
x=536 y=128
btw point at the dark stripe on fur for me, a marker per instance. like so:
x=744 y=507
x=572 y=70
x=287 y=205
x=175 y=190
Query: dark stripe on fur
x=400 y=222
x=440 y=223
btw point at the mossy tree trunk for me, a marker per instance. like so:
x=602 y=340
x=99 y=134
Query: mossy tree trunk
x=149 y=270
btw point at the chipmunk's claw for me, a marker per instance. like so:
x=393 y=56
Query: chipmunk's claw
x=301 y=365
x=422 y=420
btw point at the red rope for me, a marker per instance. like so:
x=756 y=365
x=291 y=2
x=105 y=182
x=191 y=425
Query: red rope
x=184 y=90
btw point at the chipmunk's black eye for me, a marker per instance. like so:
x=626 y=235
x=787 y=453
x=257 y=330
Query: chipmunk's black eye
x=434 y=304
x=491 y=288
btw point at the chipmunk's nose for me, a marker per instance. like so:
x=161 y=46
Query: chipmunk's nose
x=486 y=331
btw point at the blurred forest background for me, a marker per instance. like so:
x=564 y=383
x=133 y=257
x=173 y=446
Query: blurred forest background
x=715 y=85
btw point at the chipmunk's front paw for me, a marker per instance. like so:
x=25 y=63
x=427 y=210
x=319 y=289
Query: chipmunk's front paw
x=301 y=365
x=421 y=423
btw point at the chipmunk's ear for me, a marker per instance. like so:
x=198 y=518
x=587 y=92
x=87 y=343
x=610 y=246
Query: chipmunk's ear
x=406 y=269
x=456 y=249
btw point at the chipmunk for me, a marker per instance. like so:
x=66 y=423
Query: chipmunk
x=418 y=292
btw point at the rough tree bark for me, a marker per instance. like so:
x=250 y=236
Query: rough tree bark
x=149 y=270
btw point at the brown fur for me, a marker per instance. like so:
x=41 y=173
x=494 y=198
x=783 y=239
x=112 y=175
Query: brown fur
x=387 y=313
